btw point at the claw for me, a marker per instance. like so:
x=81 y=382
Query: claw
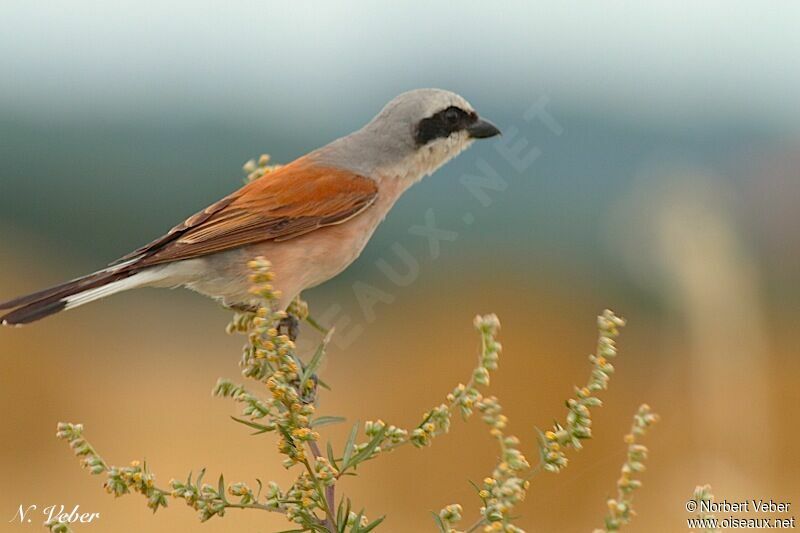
x=309 y=395
x=289 y=326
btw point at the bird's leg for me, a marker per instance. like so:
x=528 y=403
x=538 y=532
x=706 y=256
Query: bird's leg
x=308 y=392
x=297 y=312
x=289 y=326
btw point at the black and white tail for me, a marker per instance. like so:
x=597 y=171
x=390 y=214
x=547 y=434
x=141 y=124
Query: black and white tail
x=41 y=304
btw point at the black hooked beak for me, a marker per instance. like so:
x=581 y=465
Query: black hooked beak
x=482 y=129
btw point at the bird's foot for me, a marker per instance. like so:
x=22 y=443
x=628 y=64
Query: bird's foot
x=308 y=390
x=289 y=326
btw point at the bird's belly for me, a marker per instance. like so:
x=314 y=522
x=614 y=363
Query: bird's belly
x=299 y=263
x=322 y=254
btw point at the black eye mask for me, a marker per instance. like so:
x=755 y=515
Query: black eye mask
x=442 y=124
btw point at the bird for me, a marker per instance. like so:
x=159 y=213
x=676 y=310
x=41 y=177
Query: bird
x=311 y=218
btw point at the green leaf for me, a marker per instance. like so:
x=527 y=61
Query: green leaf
x=287 y=436
x=200 y=478
x=341 y=514
x=439 y=523
x=313 y=365
x=357 y=522
x=474 y=485
x=348 y=448
x=255 y=425
x=326 y=420
x=542 y=448
x=367 y=451
x=372 y=525
x=221 y=488
x=331 y=457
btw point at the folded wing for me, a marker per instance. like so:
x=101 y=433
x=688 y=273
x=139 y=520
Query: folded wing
x=286 y=203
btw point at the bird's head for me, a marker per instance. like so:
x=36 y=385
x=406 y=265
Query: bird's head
x=428 y=127
x=415 y=134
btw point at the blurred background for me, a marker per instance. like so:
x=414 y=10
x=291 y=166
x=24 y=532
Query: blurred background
x=654 y=169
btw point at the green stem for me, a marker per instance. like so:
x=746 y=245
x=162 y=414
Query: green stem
x=330 y=490
x=476 y=525
x=329 y=517
x=260 y=506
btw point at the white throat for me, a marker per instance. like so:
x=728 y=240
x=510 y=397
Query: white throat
x=427 y=159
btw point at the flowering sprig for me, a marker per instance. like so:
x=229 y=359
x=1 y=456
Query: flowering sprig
x=269 y=358
x=119 y=480
x=578 y=426
x=620 y=509
x=255 y=169
x=703 y=496
x=208 y=500
x=506 y=487
x=288 y=408
x=464 y=398
x=448 y=517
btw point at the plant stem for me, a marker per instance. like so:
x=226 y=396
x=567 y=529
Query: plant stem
x=330 y=490
x=329 y=517
x=475 y=526
x=255 y=506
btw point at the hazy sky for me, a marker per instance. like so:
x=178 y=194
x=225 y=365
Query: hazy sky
x=666 y=61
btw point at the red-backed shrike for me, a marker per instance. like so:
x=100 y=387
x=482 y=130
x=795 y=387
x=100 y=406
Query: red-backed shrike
x=310 y=218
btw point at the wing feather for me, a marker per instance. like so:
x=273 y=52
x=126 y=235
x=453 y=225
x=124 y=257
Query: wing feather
x=295 y=199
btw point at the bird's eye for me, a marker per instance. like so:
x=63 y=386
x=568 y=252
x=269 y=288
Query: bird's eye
x=452 y=116
x=441 y=125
